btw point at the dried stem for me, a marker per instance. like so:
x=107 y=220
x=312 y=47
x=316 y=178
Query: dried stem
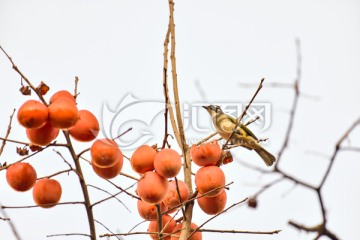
x=76 y=87
x=165 y=86
x=23 y=76
x=168 y=106
x=180 y=127
x=7 y=133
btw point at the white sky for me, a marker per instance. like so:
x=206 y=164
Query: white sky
x=115 y=47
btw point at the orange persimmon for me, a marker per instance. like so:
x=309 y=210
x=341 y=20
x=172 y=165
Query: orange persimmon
x=32 y=114
x=21 y=176
x=86 y=128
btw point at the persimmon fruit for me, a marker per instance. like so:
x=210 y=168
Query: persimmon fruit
x=142 y=160
x=105 y=153
x=213 y=205
x=42 y=136
x=47 y=192
x=172 y=197
x=63 y=113
x=167 y=163
x=86 y=128
x=177 y=230
x=148 y=211
x=209 y=178
x=168 y=222
x=61 y=94
x=207 y=154
x=108 y=172
x=32 y=114
x=21 y=176
x=152 y=187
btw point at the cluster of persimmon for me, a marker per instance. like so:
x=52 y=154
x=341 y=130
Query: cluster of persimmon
x=155 y=187
x=158 y=168
x=209 y=179
x=43 y=124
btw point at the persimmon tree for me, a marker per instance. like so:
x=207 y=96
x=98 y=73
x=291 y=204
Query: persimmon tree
x=167 y=186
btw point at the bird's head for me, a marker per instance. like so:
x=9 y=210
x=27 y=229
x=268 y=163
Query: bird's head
x=213 y=110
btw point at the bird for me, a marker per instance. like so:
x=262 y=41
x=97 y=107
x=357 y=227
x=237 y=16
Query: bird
x=243 y=136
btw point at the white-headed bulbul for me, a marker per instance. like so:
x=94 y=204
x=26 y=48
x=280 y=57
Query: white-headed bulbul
x=242 y=136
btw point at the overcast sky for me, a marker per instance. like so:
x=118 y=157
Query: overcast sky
x=116 y=47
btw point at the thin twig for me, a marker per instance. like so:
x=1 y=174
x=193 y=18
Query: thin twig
x=22 y=159
x=215 y=216
x=11 y=224
x=57 y=173
x=7 y=133
x=251 y=121
x=165 y=86
x=36 y=206
x=24 y=77
x=179 y=197
x=195 y=196
x=337 y=147
x=76 y=87
x=205 y=139
x=296 y=87
x=123 y=190
x=112 y=196
x=238 y=231
x=69 y=234
x=127 y=234
x=103 y=190
x=243 y=113
x=103 y=225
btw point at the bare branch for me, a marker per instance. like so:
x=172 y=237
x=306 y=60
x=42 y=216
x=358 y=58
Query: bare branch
x=225 y=210
x=69 y=234
x=7 y=133
x=243 y=113
x=11 y=224
x=36 y=206
x=294 y=105
x=242 y=232
x=23 y=76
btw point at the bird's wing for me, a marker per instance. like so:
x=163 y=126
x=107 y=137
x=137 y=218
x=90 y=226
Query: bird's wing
x=248 y=131
x=243 y=127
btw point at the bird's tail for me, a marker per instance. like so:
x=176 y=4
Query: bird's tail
x=267 y=157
